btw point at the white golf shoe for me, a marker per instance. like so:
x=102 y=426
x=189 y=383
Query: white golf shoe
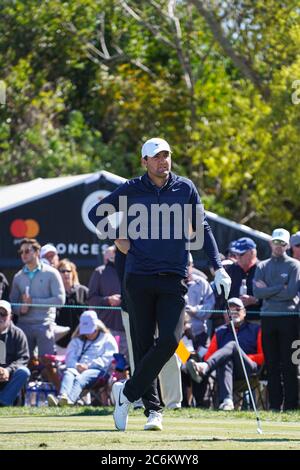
x=154 y=422
x=122 y=406
x=52 y=400
x=227 y=405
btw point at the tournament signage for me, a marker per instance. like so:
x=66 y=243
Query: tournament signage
x=59 y=218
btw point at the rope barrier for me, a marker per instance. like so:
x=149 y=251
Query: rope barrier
x=106 y=307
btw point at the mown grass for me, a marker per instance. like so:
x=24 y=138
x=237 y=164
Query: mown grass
x=186 y=429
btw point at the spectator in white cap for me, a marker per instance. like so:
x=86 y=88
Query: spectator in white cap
x=89 y=355
x=49 y=255
x=295 y=245
x=276 y=282
x=223 y=356
x=14 y=356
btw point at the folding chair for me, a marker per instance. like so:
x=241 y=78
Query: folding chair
x=241 y=397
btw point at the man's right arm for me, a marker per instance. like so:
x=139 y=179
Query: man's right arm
x=123 y=245
x=15 y=297
x=21 y=352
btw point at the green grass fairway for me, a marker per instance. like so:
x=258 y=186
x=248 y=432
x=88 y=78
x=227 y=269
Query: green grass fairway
x=186 y=429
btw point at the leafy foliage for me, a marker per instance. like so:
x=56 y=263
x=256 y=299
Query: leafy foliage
x=88 y=81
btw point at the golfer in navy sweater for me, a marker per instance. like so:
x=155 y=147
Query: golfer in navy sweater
x=162 y=219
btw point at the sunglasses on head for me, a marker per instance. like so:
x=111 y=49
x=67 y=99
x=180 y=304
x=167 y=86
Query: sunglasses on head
x=65 y=271
x=25 y=251
x=279 y=242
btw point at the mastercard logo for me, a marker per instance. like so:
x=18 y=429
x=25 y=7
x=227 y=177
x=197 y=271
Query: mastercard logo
x=21 y=228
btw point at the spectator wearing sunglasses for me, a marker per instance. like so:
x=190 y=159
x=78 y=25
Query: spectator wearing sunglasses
x=41 y=286
x=76 y=294
x=276 y=282
x=14 y=356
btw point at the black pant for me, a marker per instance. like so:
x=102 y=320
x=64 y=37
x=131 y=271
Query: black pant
x=227 y=362
x=278 y=334
x=153 y=301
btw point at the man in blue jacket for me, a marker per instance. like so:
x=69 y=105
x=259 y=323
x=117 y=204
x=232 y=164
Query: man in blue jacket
x=156 y=266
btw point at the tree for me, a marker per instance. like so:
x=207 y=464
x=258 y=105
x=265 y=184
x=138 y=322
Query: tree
x=89 y=81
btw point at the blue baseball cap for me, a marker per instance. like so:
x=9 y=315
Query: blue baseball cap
x=295 y=239
x=242 y=245
x=231 y=246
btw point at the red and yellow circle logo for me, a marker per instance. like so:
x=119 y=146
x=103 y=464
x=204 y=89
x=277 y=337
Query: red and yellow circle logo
x=21 y=228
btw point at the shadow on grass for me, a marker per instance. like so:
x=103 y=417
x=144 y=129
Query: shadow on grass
x=233 y=439
x=58 y=413
x=208 y=439
x=56 y=431
x=89 y=412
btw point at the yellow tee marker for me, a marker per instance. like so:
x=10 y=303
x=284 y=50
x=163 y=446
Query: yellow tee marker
x=182 y=352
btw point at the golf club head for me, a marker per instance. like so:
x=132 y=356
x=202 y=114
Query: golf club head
x=258 y=429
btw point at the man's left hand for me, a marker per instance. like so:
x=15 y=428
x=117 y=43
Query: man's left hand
x=222 y=279
x=191 y=310
x=4 y=375
x=81 y=367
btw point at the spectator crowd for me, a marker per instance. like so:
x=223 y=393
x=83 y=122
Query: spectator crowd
x=77 y=337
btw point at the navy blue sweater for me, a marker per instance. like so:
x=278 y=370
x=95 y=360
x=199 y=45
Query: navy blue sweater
x=154 y=255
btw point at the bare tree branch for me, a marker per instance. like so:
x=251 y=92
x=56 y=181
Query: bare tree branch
x=101 y=35
x=95 y=54
x=182 y=55
x=240 y=62
x=157 y=6
x=154 y=30
x=136 y=62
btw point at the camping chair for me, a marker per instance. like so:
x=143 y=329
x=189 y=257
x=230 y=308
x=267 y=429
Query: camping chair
x=45 y=378
x=101 y=390
x=241 y=397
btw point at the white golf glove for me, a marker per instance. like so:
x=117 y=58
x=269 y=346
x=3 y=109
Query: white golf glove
x=222 y=279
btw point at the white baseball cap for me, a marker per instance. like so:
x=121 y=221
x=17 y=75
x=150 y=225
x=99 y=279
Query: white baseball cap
x=281 y=234
x=89 y=322
x=48 y=248
x=236 y=301
x=6 y=306
x=153 y=146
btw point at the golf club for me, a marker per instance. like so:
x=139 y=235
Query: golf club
x=228 y=313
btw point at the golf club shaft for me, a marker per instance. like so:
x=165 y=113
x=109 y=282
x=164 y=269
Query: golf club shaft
x=243 y=366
